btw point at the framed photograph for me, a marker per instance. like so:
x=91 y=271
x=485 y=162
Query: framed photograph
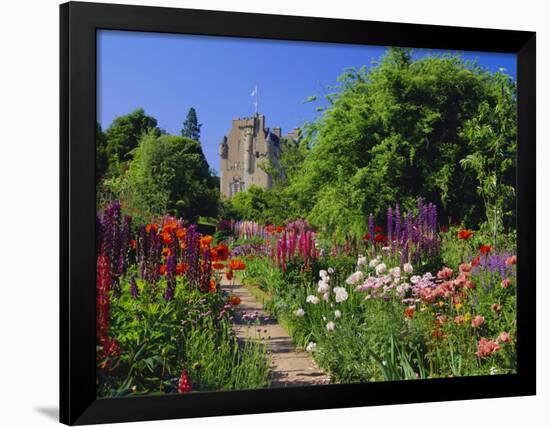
x=267 y=213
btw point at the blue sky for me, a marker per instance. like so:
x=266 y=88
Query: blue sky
x=167 y=74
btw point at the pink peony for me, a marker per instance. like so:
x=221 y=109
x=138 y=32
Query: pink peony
x=486 y=347
x=496 y=307
x=504 y=337
x=512 y=260
x=445 y=273
x=478 y=321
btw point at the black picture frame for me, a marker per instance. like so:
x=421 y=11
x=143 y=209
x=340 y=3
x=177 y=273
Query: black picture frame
x=78 y=25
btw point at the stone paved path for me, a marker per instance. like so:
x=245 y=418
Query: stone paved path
x=289 y=366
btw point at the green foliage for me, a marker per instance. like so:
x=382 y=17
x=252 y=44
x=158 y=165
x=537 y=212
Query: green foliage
x=158 y=339
x=191 y=127
x=123 y=136
x=400 y=130
x=168 y=174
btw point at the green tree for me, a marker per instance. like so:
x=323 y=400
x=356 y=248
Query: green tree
x=123 y=136
x=191 y=127
x=399 y=131
x=169 y=174
x=101 y=158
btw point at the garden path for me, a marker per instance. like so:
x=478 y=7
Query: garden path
x=290 y=366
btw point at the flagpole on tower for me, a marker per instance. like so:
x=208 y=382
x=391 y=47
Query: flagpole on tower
x=255 y=95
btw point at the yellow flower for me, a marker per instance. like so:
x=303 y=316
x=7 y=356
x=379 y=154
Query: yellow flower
x=467 y=317
x=458 y=306
x=441 y=303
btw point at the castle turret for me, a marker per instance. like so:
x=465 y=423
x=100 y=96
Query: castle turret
x=248 y=144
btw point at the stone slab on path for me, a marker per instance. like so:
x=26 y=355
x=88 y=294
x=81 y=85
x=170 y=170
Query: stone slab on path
x=290 y=366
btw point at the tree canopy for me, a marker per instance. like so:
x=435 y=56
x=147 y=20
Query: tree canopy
x=438 y=128
x=191 y=127
x=169 y=174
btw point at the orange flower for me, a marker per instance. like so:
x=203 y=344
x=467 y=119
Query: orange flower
x=234 y=300
x=465 y=234
x=133 y=243
x=485 y=249
x=218 y=266
x=150 y=227
x=165 y=251
x=229 y=275
x=162 y=269
x=212 y=289
x=180 y=233
x=512 y=260
x=181 y=268
x=270 y=229
x=166 y=238
x=279 y=229
x=219 y=253
x=235 y=264
x=409 y=311
x=205 y=242
x=170 y=225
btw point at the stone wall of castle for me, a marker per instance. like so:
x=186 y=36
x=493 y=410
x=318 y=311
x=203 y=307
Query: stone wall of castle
x=248 y=145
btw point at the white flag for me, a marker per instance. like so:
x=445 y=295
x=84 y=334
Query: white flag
x=255 y=91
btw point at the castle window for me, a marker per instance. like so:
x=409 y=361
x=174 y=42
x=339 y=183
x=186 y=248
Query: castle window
x=235 y=187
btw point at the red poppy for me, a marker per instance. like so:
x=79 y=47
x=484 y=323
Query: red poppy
x=279 y=229
x=181 y=268
x=465 y=234
x=485 y=249
x=162 y=269
x=234 y=300
x=270 y=229
x=218 y=266
x=235 y=264
x=219 y=253
x=378 y=229
x=229 y=275
x=133 y=243
x=380 y=238
x=475 y=261
x=366 y=237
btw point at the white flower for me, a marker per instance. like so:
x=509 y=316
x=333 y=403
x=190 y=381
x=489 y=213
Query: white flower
x=341 y=293
x=326 y=279
x=337 y=314
x=493 y=371
x=330 y=326
x=380 y=268
x=361 y=260
x=311 y=347
x=326 y=296
x=300 y=312
x=374 y=262
x=323 y=287
x=408 y=268
x=386 y=248
x=395 y=272
x=354 y=278
x=322 y=273
x=415 y=279
x=331 y=270
x=312 y=299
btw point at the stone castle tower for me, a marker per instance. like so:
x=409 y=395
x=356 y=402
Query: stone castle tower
x=248 y=145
